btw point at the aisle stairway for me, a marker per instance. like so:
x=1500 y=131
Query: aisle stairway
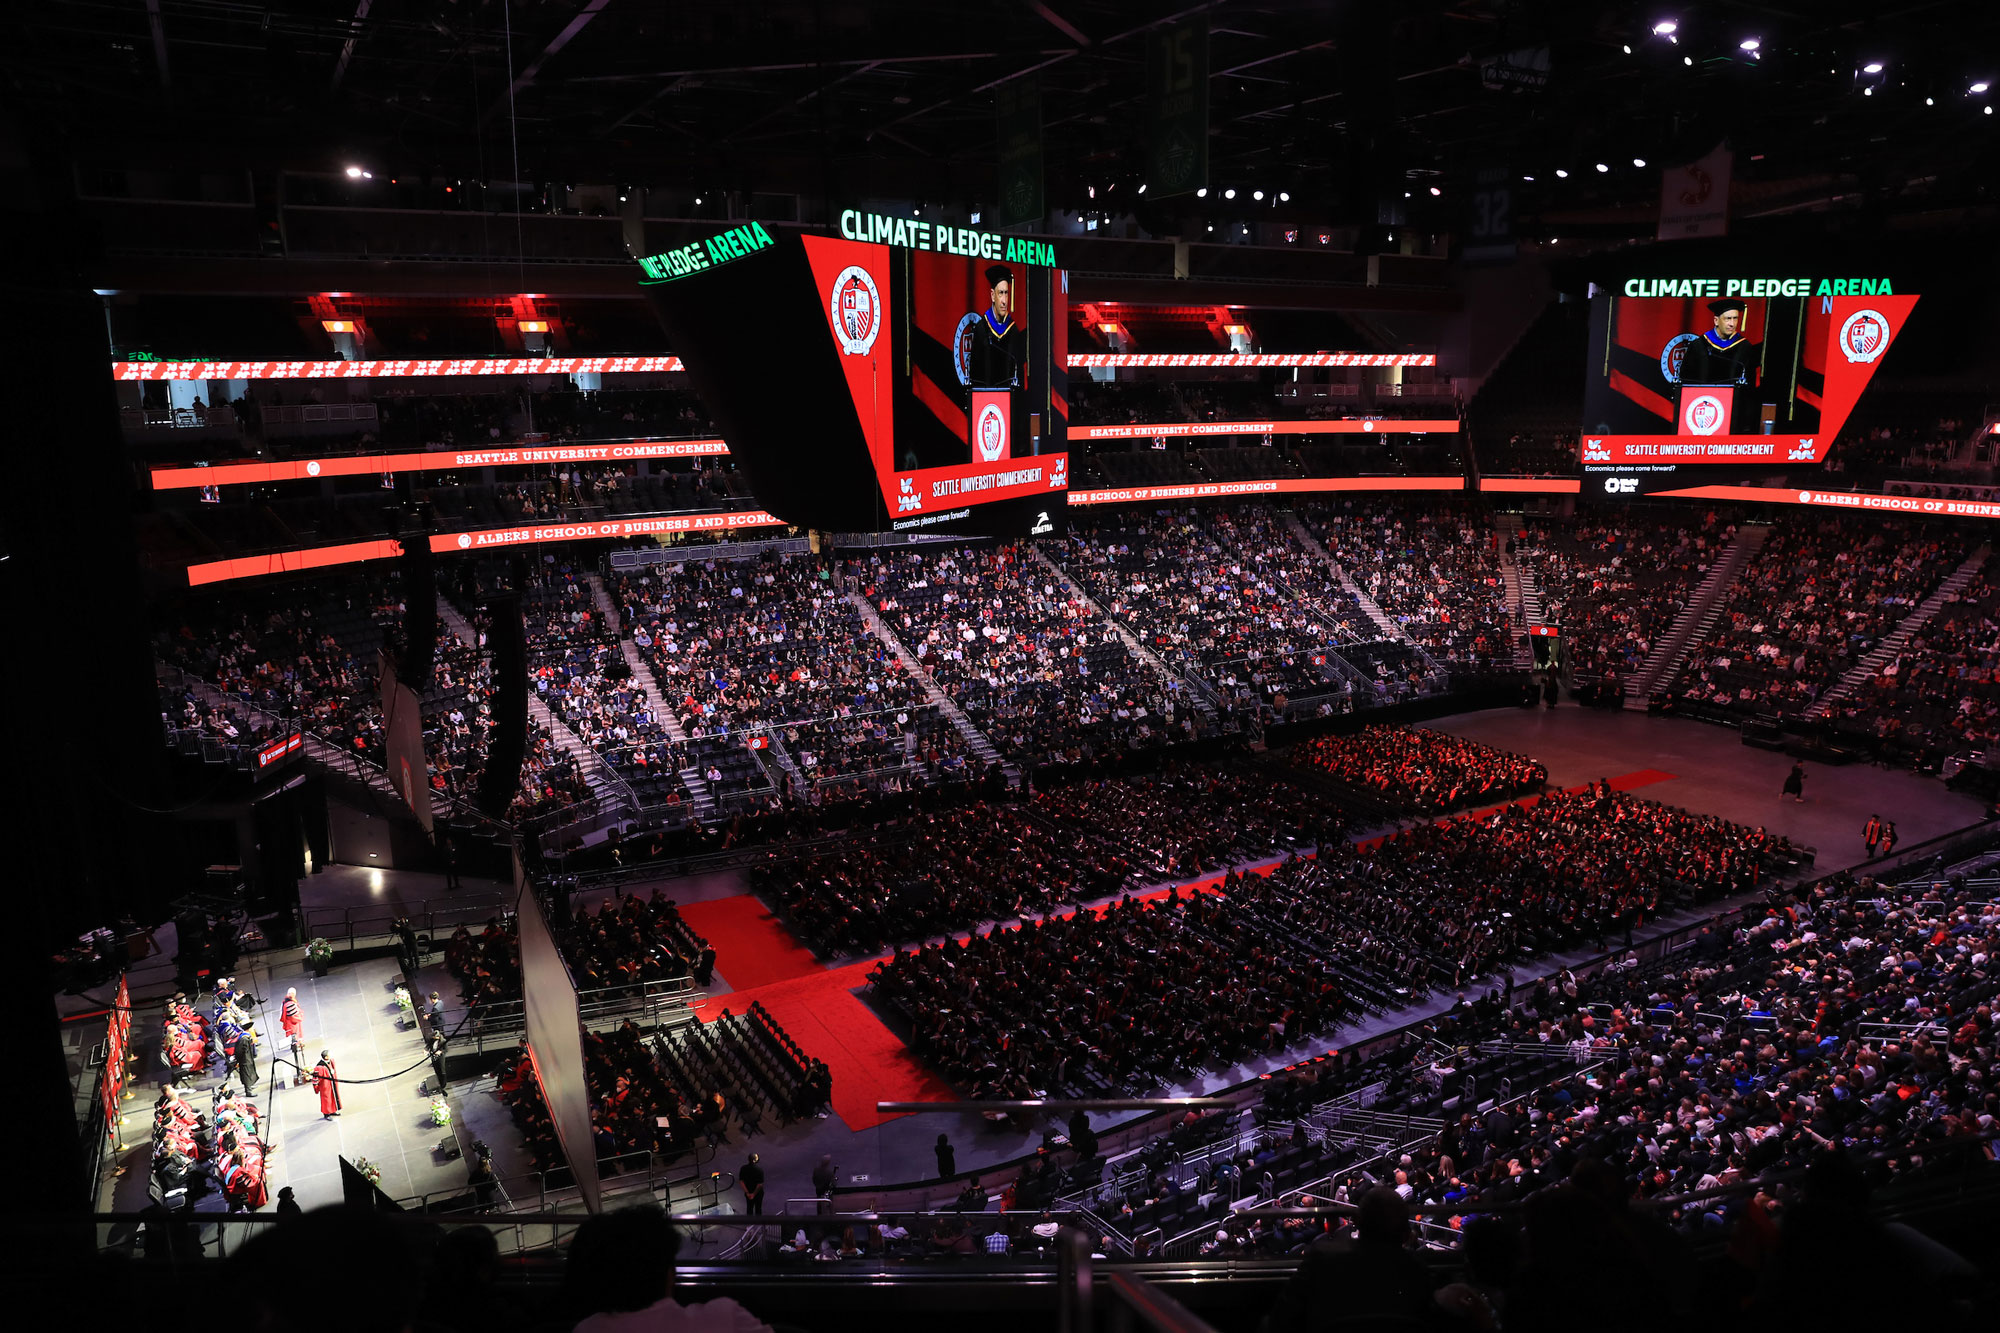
x=1524 y=594
x=607 y=789
x=976 y=740
x=1203 y=703
x=1885 y=651
x=697 y=786
x=1701 y=612
x=1388 y=628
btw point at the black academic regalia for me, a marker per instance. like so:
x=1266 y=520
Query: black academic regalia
x=1710 y=360
x=997 y=353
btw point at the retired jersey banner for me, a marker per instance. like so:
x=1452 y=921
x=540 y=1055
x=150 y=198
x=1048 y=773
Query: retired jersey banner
x=1694 y=199
x=366 y=370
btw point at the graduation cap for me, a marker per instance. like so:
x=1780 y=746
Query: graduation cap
x=1727 y=304
x=997 y=274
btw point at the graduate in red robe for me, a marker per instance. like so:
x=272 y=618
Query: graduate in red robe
x=291 y=1018
x=326 y=1082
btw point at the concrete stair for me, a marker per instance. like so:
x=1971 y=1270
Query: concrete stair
x=976 y=740
x=1524 y=594
x=1885 y=651
x=699 y=795
x=1381 y=619
x=1701 y=612
x=1203 y=697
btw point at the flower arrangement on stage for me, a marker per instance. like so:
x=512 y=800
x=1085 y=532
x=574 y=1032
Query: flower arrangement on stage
x=440 y=1112
x=319 y=955
x=368 y=1169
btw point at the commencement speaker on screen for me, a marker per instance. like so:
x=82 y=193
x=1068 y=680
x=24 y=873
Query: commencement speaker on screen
x=1722 y=355
x=998 y=344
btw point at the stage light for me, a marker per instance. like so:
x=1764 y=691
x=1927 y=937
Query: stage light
x=533 y=326
x=1202 y=193
x=1142 y=187
x=697 y=201
x=1603 y=166
x=1929 y=102
x=975 y=217
x=1980 y=87
x=1229 y=193
x=1284 y=196
x=354 y=173
x=1638 y=161
x=1561 y=175
x=1090 y=190
x=1867 y=92
x=1749 y=44
x=1258 y=195
x=1527 y=178
x=1628 y=49
x=1211 y=226
x=337 y=325
x=1665 y=28
x=1872 y=67
x=1687 y=60
x=1435 y=192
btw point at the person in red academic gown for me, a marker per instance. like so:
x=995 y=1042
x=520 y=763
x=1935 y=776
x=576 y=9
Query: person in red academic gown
x=326 y=1082
x=292 y=1017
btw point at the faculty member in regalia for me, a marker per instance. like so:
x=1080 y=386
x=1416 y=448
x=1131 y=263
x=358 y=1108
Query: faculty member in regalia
x=326 y=1082
x=999 y=345
x=1722 y=355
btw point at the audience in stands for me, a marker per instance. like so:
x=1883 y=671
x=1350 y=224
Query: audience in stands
x=1809 y=606
x=1434 y=571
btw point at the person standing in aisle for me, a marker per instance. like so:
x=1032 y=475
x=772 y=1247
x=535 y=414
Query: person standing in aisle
x=751 y=1178
x=326 y=1082
x=1871 y=834
x=1795 y=784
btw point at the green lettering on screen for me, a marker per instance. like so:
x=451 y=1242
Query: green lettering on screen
x=738 y=242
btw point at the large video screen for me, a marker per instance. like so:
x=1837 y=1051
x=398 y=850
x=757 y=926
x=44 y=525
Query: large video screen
x=956 y=363
x=1750 y=371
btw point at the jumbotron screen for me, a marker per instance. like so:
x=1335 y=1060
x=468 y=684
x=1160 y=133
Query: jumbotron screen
x=930 y=356
x=956 y=363
x=1753 y=371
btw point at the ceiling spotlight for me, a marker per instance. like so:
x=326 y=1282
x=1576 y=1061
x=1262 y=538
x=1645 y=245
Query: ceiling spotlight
x=1406 y=194
x=354 y=173
x=1284 y=196
x=1872 y=67
x=1435 y=192
x=1090 y=190
x=1142 y=187
x=1229 y=193
x=1603 y=166
x=1561 y=175
x=1527 y=178
x=1930 y=102
x=1211 y=226
x=1687 y=60
x=1665 y=28
x=1258 y=195
x=1628 y=49
x=1867 y=92
x=1981 y=86
x=1749 y=44
x=697 y=201
x=1638 y=161
x=1202 y=193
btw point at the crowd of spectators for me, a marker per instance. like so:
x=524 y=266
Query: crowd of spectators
x=1937 y=694
x=1614 y=586
x=637 y=1106
x=618 y=950
x=1815 y=600
x=1417 y=770
x=1853 y=1021
x=1435 y=571
x=772 y=646
x=1037 y=669
x=1227 y=596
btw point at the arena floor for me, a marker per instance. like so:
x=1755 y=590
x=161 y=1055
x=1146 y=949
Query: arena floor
x=1690 y=764
x=1714 y=773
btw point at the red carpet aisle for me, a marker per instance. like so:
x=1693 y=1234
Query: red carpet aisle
x=751 y=948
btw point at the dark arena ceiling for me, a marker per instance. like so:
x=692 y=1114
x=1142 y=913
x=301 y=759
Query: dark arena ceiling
x=1342 y=106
